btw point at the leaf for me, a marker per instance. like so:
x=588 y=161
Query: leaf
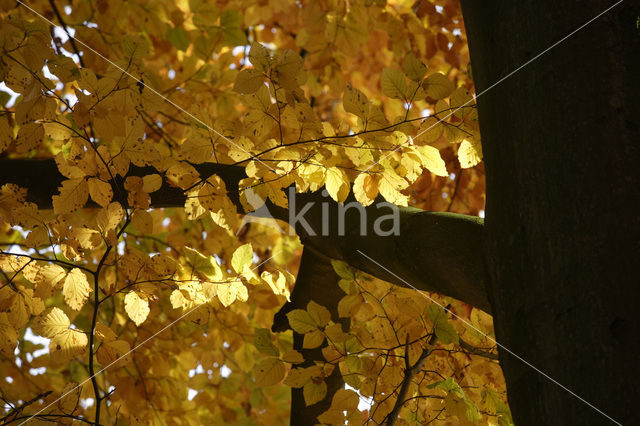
x=313 y=339
x=413 y=67
x=151 y=183
x=432 y=161
x=142 y=221
x=269 y=372
x=69 y=397
x=51 y=322
x=337 y=184
x=300 y=321
x=67 y=345
x=319 y=314
x=260 y=57
x=179 y=38
x=437 y=86
x=393 y=83
x=314 y=392
x=206 y=265
x=110 y=217
x=227 y=294
x=443 y=328
x=100 y=191
x=469 y=153
x=116 y=350
x=248 y=81
x=74 y=194
x=137 y=307
x=355 y=102
x=242 y=258
x=365 y=189
x=76 y=289
x=293 y=357
x=262 y=342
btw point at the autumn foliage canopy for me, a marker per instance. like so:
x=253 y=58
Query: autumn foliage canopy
x=115 y=307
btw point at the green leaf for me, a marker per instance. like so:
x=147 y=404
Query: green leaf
x=262 y=342
x=413 y=67
x=393 y=83
x=179 y=38
x=300 y=321
x=443 y=329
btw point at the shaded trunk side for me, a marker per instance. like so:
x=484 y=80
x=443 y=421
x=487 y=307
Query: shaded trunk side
x=561 y=140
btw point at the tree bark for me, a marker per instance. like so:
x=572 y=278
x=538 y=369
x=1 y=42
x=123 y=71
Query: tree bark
x=561 y=143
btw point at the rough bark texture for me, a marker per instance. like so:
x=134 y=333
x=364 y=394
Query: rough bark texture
x=561 y=141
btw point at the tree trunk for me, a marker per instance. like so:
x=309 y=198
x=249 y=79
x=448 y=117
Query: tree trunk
x=561 y=142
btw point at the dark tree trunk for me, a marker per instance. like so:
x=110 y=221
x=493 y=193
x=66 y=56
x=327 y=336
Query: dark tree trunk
x=561 y=141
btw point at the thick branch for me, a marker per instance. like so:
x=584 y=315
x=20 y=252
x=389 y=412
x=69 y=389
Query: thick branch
x=437 y=252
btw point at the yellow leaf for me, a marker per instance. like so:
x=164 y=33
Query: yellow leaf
x=300 y=321
x=73 y=196
x=355 y=102
x=430 y=131
x=461 y=102
x=104 y=333
x=413 y=67
x=109 y=217
x=313 y=339
x=469 y=153
x=337 y=184
x=227 y=294
x=29 y=137
x=438 y=86
x=67 y=345
x=76 y=289
x=262 y=342
x=319 y=314
x=248 y=81
x=51 y=322
x=100 y=191
x=142 y=221
x=197 y=149
x=269 y=372
x=117 y=350
x=69 y=397
x=293 y=356
x=151 y=183
x=137 y=307
x=432 y=161
x=260 y=57
x=365 y=189
x=279 y=285
x=314 y=392
x=391 y=194
x=242 y=258
x=393 y=83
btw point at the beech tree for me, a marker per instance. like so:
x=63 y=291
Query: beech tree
x=269 y=213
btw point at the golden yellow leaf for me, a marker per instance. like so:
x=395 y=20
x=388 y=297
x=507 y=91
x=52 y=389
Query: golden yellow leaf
x=365 y=189
x=67 y=345
x=313 y=339
x=116 y=350
x=109 y=217
x=432 y=161
x=69 y=397
x=142 y=221
x=314 y=392
x=269 y=372
x=76 y=289
x=259 y=56
x=337 y=184
x=469 y=153
x=137 y=307
x=293 y=357
x=151 y=183
x=228 y=293
x=248 y=81
x=242 y=258
x=355 y=102
x=100 y=191
x=51 y=322
x=73 y=195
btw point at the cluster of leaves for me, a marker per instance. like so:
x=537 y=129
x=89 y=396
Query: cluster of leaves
x=164 y=314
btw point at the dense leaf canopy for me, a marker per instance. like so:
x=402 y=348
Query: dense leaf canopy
x=111 y=310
